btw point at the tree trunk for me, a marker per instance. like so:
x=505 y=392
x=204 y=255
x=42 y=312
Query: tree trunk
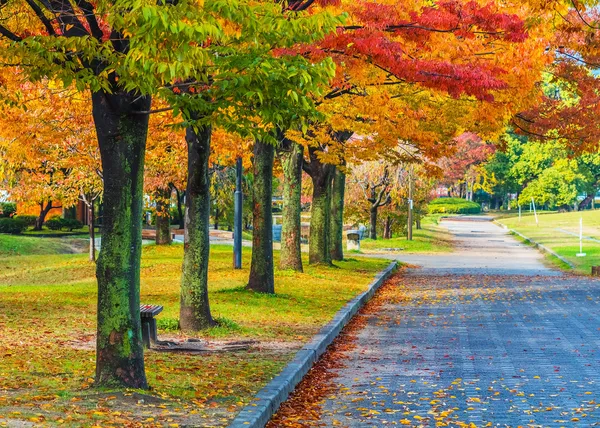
x=194 y=311
x=179 y=208
x=418 y=221
x=291 y=155
x=122 y=142
x=261 y=268
x=373 y=217
x=217 y=215
x=320 y=219
x=387 y=228
x=163 y=217
x=44 y=210
x=587 y=201
x=337 y=215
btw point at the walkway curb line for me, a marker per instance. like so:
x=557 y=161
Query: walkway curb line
x=541 y=247
x=268 y=399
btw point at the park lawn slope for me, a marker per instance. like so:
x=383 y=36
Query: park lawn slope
x=47 y=320
x=17 y=245
x=560 y=233
x=429 y=239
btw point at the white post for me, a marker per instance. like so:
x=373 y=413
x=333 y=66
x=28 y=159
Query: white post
x=537 y=223
x=581 y=253
x=519 y=212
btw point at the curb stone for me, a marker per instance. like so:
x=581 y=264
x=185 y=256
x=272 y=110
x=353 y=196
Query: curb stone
x=267 y=401
x=541 y=247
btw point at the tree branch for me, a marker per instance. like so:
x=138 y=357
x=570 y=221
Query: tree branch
x=9 y=34
x=40 y=14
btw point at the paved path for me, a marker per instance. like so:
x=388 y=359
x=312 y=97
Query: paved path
x=481 y=247
x=486 y=336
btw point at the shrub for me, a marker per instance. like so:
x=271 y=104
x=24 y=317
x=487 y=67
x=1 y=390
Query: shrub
x=54 y=223
x=59 y=223
x=12 y=225
x=453 y=206
x=71 y=223
x=29 y=220
x=7 y=209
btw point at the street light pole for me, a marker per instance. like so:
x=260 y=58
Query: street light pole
x=237 y=216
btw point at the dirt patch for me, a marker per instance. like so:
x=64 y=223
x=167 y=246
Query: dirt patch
x=172 y=343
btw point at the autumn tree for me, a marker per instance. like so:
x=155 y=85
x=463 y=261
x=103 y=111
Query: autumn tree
x=376 y=186
x=468 y=152
x=379 y=191
x=124 y=52
x=570 y=106
x=233 y=95
x=49 y=149
x=163 y=172
x=390 y=54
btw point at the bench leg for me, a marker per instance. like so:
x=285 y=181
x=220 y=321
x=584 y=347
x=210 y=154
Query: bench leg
x=153 y=333
x=146 y=334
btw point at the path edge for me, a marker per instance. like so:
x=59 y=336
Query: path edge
x=267 y=401
x=536 y=244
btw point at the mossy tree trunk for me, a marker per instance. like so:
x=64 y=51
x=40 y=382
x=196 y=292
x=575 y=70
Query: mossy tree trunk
x=122 y=141
x=163 y=216
x=194 y=312
x=337 y=215
x=261 y=268
x=320 y=217
x=291 y=156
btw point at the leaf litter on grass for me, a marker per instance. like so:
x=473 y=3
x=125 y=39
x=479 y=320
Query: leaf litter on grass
x=47 y=325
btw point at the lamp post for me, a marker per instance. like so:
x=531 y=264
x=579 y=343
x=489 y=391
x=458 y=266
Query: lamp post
x=237 y=216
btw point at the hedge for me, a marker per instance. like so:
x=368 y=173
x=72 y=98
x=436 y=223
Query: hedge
x=59 y=223
x=12 y=225
x=29 y=220
x=453 y=206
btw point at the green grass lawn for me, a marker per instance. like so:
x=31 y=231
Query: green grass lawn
x=551 y=233
x=429 y=239
x=47 y=320
x=16 y=245
x=498 y=215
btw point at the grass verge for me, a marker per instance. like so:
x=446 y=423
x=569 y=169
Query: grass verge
x=559 y=232
x=47 y=320
x=429 y=239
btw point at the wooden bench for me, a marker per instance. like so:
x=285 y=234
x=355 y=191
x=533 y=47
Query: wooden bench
x=147 y=314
